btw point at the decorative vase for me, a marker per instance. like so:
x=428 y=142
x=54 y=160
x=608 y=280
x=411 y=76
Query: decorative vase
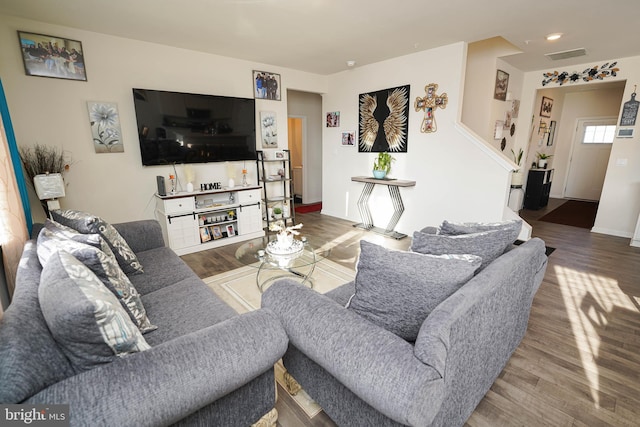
x=232 y=183
x=378 y=174
x=285 y=240
x=189 y=187
x=517 y=179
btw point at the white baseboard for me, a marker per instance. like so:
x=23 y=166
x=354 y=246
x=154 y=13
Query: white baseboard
x=617 y=233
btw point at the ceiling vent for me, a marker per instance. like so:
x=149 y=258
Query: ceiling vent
x=566 y=54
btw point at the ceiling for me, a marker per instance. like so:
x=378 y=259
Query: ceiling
x=320 y=36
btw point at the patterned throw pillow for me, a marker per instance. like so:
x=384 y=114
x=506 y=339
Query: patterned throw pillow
x=102 y=265
x=454 y=229
x=87 y=223
x=62 y=232
x=488 y=245
x=397 y=290
x=84 y=317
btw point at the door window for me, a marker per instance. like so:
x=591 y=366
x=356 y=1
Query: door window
x=599 y=134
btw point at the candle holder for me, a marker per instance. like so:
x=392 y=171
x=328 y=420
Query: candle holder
x=244 y=178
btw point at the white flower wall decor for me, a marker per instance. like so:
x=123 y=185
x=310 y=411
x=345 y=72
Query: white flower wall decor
x=105 y=127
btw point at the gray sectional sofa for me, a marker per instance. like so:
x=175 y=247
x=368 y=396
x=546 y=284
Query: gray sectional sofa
x=363 y=374
x=206 y=364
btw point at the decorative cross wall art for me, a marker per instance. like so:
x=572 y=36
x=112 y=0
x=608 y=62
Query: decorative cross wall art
x=428 y=104
x=383 y=120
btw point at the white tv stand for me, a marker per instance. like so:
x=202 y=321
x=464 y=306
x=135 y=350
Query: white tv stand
x=193 y=222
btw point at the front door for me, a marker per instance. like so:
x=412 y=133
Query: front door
x=589 y=159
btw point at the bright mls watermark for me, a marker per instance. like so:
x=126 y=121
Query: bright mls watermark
x=34 y=415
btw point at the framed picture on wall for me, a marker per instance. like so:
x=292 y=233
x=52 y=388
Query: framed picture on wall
x=546 y=106
x=266 y=85
x=52 y=56
x=551 y=134
x=333 y=119
x=349 y=138
x=269 y=129
x=502 y=84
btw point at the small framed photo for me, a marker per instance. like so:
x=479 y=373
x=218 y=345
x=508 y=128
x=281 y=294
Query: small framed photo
x=216 y=232
x=349 y=138
x=266 y=85
x=205 y=236
x=278 y=155
x=52 y=56
x=502 y=84
x=231 y=230
x=333 y=119
x=546 y=106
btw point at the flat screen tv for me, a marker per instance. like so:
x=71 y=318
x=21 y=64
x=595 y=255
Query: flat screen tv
x=178 y=127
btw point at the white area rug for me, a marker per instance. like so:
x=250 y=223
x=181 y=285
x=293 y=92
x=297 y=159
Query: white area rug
x=239 y=289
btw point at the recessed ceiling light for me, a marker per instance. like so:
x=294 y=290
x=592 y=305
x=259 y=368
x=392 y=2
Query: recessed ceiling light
x=351 y=63
x=554 y=36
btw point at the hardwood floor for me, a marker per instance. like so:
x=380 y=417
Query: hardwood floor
x=579 y=363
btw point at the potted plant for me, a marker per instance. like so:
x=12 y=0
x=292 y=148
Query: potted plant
x=517 y=178
x=543 y=158
x=382 y=165
x=277 y=212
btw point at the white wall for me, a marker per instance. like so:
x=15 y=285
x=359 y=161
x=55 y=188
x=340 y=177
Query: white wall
x=54 y=111
x=620 y=201
x=456 y=178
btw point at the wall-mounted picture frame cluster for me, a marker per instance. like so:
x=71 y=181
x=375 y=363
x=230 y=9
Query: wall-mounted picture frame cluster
x=52 y=56
x=266 y=85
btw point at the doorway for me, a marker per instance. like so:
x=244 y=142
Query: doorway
x=589 y=158
x=304 y=128
x=296 y=141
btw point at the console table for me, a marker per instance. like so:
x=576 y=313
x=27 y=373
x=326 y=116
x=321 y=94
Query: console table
x=398 y=207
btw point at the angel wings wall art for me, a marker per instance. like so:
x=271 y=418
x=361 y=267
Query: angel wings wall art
x=383 y=120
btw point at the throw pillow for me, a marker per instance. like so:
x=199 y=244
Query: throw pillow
x=84 y=317
x=397 y=290
x=103 y=266
x=87 y=223
x=488 y=245
x=62 y=232
x=454 y=229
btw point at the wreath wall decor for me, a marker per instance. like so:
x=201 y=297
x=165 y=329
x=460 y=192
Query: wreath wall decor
x=384 y=120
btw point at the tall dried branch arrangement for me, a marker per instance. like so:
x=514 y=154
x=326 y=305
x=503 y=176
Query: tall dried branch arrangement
x=42 y=159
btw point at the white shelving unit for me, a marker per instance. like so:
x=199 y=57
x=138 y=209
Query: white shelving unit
x=193 y=222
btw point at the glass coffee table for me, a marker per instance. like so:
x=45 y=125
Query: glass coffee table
x=271 y=267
